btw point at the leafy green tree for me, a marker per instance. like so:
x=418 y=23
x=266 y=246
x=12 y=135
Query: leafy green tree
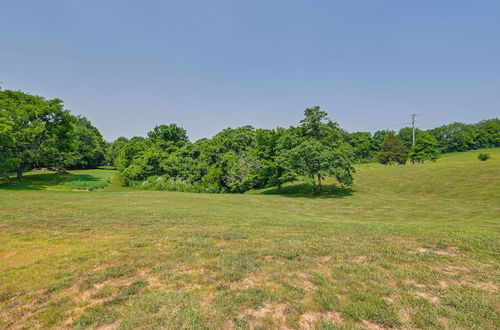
x=113 y=149
x=240 y=171
x=87 y=148
x=455 y=137
x=363 y=145
x=41 y=130
x=311 y=159
x=405 y=134
x=425 y=148
x=488 y=133
x=270 y=148
x=322 y=151
x=379 y=138
x=392 y=150
x=128 y=152
x=168 y=133
x=8 y=160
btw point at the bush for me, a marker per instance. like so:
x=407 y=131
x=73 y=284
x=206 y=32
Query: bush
x=483 y=157
x=170 y=184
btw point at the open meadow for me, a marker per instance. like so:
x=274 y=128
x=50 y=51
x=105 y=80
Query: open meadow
x=408 y=246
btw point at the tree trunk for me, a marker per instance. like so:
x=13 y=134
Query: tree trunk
x=319 y=182
x=314 y=186
x=19 y=173
x=279 y=188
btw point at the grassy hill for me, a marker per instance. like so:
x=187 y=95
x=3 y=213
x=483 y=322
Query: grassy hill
x=413 y=246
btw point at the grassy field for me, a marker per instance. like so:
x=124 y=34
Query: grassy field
x=83 y=180
x=413 y=246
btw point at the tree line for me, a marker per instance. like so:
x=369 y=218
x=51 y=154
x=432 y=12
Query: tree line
x=36 y=132
x=447 y=138
x=236 y=160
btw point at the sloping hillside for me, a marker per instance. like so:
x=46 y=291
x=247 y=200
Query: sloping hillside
x=412 y=246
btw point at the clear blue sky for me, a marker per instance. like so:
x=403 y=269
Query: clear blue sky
x=208 y=65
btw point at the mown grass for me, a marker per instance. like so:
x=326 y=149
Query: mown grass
x=414 y=246
x=79 y=180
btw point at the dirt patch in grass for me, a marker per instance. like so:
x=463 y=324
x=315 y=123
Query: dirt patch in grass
x=428 y=296
x=269 y=313
x=310 y=319
x=152 y=279
x=8 y=255
x=359 y=259
x=450 y=251
x=414 y=283
x=370 y=325
x=246 y=283
x=452 y=270
x=486 y=286
x=111 y=326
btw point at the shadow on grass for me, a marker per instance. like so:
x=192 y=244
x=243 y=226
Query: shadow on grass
x=42 y=181
x=306 y=190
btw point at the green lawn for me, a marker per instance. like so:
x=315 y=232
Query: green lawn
x=82 y=180
x=413 y=246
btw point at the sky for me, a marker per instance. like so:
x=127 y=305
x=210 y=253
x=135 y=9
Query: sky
x=209 y=65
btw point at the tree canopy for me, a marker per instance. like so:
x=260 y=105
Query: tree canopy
x=40 y=130
x=236 y=160
x=425 y=148
x=36 y=132
x=392 y=150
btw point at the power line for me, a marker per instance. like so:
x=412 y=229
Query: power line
x=386 y=126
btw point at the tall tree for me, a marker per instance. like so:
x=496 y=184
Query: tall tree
x=41 y=130
x=363 y=145
x=425 y=148
x=322 y=151
x=87 y=147
x=168 y=133
x=392 y=150
x=8 y=160
x=113 y=148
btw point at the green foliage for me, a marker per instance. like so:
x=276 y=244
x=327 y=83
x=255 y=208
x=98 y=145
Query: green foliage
x=363 y=144
x=406 y=136
x=87 y=148
x=168 y=133
x=392 y=150
x=462 y=137
x=425 y=148
x=35 y=132
x=322 y=151
x=379 y=138
x=483 y=156
x=39 y=131
x=8 y=160
x=113 y=149
x=234 y=160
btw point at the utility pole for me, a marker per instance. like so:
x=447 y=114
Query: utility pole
x=413 y=129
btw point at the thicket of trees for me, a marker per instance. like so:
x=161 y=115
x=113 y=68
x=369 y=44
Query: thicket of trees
x=450 y=138
x=36 y=132
x=236 y=160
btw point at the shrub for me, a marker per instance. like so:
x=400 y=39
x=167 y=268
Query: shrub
x=171 y=184
x=483 y=157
